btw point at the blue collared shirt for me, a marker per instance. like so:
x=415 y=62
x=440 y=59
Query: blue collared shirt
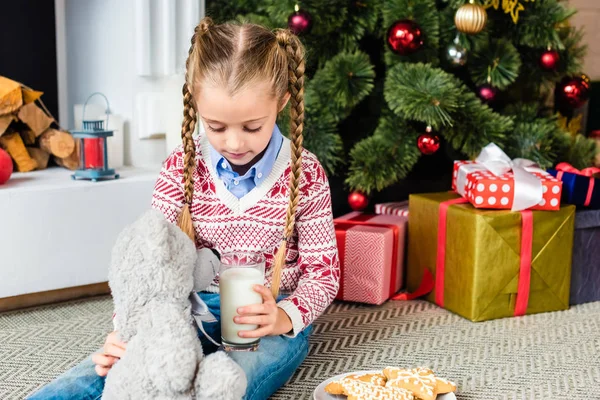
x=238 y=185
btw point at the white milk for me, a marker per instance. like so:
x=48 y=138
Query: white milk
x=235 y=285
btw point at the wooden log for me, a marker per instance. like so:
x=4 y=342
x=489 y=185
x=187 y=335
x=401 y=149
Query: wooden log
x=35 y=118
x=13 y=144
x=40 y=156
x=5 y=121
x=58 y=143
x=10 y=95
x=72 y=161
x=30 y=95
x=28 y=137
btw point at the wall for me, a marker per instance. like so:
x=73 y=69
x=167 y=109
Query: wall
x=588 y=17
x=100 y=49
x=29 y=48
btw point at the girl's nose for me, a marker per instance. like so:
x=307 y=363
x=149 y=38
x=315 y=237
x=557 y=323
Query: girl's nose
x=235 y=142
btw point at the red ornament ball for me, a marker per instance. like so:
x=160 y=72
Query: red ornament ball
x=428 y=143
x=404 y=37
x=300 y=22
x=549 y=60
x=573 y=92
x=358 y=201
x=487 y=93
x=6 y=167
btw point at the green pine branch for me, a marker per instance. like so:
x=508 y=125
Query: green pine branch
x=534 y=136
x=476 y=126
x=571 y=58
x=320 y=136
x=327 y=16
x=538 y=26
x=423 y=93
x=538 y=136
x=580 y=151
x=225 y=10
x=363 y=16
x=321 y=139
x=384 y=158
x=499 y=60
x=342 y=83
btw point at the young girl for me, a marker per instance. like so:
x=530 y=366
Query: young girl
x=244 y=187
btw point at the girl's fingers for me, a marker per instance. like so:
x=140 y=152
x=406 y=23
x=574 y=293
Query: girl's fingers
x=258 y=333
x=101 y=371
x=112 y=349
x=253 y=309
x=112 y=338
x=103 y=360
x=254 y=320
x=265 y=293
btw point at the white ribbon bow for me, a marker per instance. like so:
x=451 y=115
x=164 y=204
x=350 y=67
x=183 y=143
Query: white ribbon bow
x=528 y=188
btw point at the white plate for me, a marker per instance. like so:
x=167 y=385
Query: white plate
x=321 y=394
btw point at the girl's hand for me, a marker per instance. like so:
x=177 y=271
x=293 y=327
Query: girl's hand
x=113 y=350
x=271 y=320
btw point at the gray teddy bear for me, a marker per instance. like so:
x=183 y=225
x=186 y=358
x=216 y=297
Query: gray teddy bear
x=154 y=268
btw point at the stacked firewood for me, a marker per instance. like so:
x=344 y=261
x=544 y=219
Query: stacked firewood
x=29 y=133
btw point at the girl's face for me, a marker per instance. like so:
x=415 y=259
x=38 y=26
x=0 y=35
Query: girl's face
x=239 y=127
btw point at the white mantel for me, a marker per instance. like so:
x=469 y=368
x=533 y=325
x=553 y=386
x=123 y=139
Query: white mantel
x=57 y=233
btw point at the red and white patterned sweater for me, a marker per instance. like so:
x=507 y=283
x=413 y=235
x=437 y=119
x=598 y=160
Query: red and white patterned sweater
x=255 y=222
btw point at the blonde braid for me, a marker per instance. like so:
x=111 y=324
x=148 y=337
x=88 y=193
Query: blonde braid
x=295 y=54
x=187 y=130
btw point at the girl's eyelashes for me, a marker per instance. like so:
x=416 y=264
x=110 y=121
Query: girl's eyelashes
x=216 y=129
x=246 y=129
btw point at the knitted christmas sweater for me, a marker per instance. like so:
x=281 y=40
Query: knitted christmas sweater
x=255 y=223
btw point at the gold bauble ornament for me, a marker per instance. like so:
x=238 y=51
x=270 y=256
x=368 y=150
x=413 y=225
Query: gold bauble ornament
x=470 y=18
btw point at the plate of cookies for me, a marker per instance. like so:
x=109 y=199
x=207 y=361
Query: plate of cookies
x=391 y=383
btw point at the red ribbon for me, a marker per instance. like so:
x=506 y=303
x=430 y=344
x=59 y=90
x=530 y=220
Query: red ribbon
x=428 y=283
x=525 y=266
x=342 y=226
x=589 y=172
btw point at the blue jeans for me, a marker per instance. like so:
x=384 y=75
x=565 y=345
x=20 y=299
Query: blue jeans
x=267 y=369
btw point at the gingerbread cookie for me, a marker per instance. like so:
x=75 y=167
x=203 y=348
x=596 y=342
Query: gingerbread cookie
x=421 y=381
x=359 y=390
x=444 y=386
x=336 y=388
x=375 y=379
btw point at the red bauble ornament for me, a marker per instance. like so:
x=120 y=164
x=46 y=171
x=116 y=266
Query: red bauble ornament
x=487 y=92
x=404 y=37
x=549 y=60
x=428 y=143
x=573 y=92
x=358 y=201
x=6 y=166
x=300 y=22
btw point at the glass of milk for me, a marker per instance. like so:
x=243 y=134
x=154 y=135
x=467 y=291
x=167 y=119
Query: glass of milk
x=238 y=274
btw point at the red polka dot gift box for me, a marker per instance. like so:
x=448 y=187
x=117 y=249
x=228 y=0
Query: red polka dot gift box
x=497 y=182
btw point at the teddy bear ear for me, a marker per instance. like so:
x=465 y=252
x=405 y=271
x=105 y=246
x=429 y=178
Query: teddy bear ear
x=206 y=268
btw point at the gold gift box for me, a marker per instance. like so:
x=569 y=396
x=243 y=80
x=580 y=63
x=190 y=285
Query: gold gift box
x=483 y=257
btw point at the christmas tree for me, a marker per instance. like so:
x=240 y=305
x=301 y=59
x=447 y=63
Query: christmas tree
x=390 y=82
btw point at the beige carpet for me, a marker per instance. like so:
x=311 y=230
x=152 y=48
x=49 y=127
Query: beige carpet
x=546 y=356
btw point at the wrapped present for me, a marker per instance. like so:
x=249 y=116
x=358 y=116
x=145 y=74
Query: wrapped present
x=580 y=188
x=395 y=208
x=486 y=264
x=371 y=251
x=495 y=181
x=585 y=277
